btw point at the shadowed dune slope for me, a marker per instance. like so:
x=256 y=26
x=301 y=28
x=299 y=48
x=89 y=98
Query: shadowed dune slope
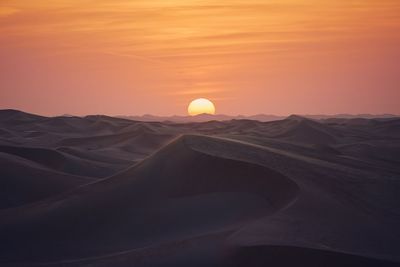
x=63 y=162
x=16 y=117
x=96 y=156
x=185 y=170
x=47 y=157
x=288 y=256
x=175 y=193
x=23 y=182
x=299 y=130
x=140 y=140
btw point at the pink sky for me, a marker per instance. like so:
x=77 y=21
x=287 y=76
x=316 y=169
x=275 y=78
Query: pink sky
x=247 y=56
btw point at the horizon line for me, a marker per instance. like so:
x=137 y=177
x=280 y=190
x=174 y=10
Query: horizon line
x=204 y=114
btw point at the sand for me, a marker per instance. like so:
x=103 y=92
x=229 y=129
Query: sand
x=104 y=191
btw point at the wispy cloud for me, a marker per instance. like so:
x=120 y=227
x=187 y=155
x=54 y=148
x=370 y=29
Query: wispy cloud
x=7 y=11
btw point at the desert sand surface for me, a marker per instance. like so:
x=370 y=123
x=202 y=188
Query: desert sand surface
x=108 y=191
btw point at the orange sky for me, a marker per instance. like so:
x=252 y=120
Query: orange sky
x=155 y=56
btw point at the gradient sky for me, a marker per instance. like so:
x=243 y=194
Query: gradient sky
x=154 y=56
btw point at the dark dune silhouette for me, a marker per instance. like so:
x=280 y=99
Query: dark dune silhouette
x=46 y=157
x=302 y=130
x=258 y=117
x=23 y=182
x=291 y=256
x=16 y=117
x=104 y=191
x=63 y=162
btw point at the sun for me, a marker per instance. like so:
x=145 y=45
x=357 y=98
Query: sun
x=201 y=106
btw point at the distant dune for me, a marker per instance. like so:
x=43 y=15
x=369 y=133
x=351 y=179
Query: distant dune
x=105 y=191
x=259 y=117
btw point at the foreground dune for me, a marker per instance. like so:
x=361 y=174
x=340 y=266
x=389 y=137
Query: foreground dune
x=178 y=192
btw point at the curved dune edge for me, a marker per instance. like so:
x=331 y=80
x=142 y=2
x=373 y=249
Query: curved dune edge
x=288 y=256
x=46 y=157
x=23 y=182
x=257 y=256
x=190 y=171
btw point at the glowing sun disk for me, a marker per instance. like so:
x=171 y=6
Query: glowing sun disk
x=201 y=106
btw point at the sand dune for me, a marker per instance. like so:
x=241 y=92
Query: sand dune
x=187 y=171
x=46 y=157
x=291 y=256
x=178 y=185
x=217 y=193
x=60 y=162
x=301 y=130
x=16 y=117
x=24 y=182
x=93 y=156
